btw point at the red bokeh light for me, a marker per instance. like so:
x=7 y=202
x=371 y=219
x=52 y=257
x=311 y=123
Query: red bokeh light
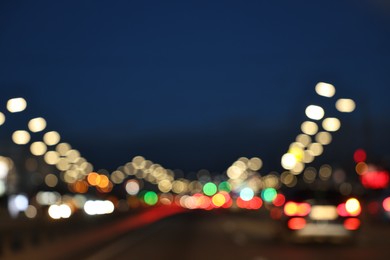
x=352 y=223
x=279 y=200
x=360 y=155
x=341 y=210
x=255 y=203
x=296 y=223
x=386 y=204
x=375 y=179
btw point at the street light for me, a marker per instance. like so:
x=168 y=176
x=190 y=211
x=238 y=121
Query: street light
x=2 y=118
x=325 y=89
x=15 y=105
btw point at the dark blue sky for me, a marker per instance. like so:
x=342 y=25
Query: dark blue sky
x=196 y=84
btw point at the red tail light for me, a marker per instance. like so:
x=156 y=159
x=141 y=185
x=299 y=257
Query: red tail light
x=351 y=208
x=352 y=223
x=342 y=211
x=386 y=204
x=297 y=209
x=296 y=223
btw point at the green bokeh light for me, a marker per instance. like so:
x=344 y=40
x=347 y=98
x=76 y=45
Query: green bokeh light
x=150 y=198
x=210 y=189
x=269 y=194
x=224 y=186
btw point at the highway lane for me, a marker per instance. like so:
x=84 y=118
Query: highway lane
x=174 y=233
x=75 y=238
x=216 y=235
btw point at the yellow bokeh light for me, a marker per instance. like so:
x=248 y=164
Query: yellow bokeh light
x=72 y=155
x=316 y=149
x=243 y=159
x=308 y=156
x=165 y=186
x=63 y=148
x=288 y=161
x=62 y=164
x=234 y=172
x=38 y=148
x=324 y=138
x=309 y=128
x=52 y=157
x=117 y=177
x=129 y=169
x=37 y=124
x=314 y=112
x=297 y=152
x=2 y=118
x=86 y=167
x=21 y=137
x=218 y=200
x=269 y=181
x=325 y=89
x=296 y=149
x=345 y=105
x=352 y=206
x=255 y=164
x=331 y=124
x=298 y=168
x=290 y=208
x=16 y=105
x=180 y=186
x=303 y=139
x=70 y=176
x=51 y=138
x=242 y=164
x=139 y=162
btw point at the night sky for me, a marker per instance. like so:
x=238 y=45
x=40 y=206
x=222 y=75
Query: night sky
x=196 y=84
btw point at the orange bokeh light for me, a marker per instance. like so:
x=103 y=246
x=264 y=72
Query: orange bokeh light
x=79 y=186
x=106 y=189
x=93 y=178
x=361 y=168
x=103 y=182
x=297 y=209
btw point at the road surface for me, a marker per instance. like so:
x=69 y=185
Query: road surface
x=219 y=235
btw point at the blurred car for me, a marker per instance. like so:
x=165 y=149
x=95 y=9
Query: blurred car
x=379 y=207
x=386 y=208
x=321 y=216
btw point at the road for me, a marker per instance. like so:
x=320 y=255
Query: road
x=218 y=235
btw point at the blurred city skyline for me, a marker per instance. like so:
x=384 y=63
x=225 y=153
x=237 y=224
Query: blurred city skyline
x=192 y=87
